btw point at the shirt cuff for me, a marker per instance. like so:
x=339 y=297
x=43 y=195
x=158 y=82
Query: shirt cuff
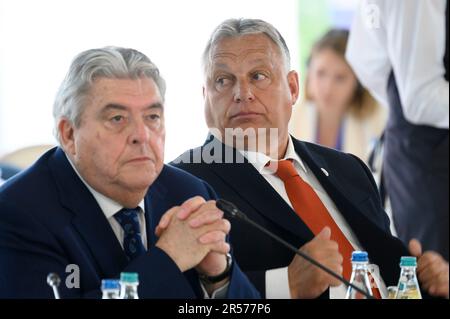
x=220 y=293
x=277 y=284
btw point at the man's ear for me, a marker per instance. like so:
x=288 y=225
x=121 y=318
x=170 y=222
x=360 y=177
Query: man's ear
x=66 y=134
x=293 y=83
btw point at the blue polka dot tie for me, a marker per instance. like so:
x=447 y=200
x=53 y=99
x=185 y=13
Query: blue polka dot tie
x=132 y=241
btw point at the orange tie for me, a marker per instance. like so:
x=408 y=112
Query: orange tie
x=312 y=211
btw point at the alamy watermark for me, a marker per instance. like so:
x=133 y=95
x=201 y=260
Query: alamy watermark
x=73 y=276
x=250 y=143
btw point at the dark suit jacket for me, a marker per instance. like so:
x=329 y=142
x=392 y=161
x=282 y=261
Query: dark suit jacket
x=349 y=184
x=49 y=219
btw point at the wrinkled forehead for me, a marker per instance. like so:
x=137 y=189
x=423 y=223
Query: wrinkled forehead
x=128 y=93
x=252 y=47
x=125 y=86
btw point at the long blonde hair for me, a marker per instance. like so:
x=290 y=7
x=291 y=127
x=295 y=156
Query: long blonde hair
x=362 y=104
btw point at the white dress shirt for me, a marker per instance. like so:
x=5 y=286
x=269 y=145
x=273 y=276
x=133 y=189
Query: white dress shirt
x=277 y=284
x=408 y=37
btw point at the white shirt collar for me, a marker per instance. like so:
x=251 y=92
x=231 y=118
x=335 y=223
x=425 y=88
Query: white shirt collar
x=259 y=160
x=107 y=205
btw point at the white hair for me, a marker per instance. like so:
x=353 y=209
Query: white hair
x=109 y=62
x=239 y=27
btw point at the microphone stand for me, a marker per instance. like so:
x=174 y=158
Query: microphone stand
x=231 y=210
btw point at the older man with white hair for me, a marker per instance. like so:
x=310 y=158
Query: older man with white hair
x=93 y=203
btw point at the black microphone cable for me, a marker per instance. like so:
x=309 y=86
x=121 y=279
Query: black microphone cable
x=231 y=210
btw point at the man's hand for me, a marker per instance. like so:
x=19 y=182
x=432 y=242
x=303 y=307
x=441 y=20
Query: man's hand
x=309 y=281
x=201 y=238
x=432 y=270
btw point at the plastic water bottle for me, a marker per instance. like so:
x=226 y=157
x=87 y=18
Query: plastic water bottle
x=129 y=282
x=408 y=286
x=360 y=276
x=110 y=289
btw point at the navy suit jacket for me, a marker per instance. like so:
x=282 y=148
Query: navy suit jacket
x=349 y=184
x=49 y=220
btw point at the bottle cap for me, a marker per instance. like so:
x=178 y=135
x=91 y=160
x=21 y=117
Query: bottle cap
x=408 y=261
x=110 y=284
x=129 y=277
x=360 y=256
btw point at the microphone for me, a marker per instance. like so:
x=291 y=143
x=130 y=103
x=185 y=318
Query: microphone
x=53 y=281
x=231 y=210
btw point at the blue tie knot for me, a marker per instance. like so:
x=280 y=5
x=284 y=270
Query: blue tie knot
x=132 y=241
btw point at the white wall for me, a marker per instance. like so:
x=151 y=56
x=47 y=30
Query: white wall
x=38 y=40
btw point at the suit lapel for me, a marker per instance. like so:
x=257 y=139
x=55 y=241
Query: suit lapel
x=327 y=175
x=345 y=197
x=156 y=204
x=258 y=193
x=372 y=238
x=88 y=219
x=248 y=183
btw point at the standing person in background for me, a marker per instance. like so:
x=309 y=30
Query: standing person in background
x=398 y=50
x=337 y=111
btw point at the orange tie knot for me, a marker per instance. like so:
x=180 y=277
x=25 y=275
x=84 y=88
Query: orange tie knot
x=285 y=170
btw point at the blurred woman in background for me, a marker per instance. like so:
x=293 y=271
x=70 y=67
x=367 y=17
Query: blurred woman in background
x=337 y=111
